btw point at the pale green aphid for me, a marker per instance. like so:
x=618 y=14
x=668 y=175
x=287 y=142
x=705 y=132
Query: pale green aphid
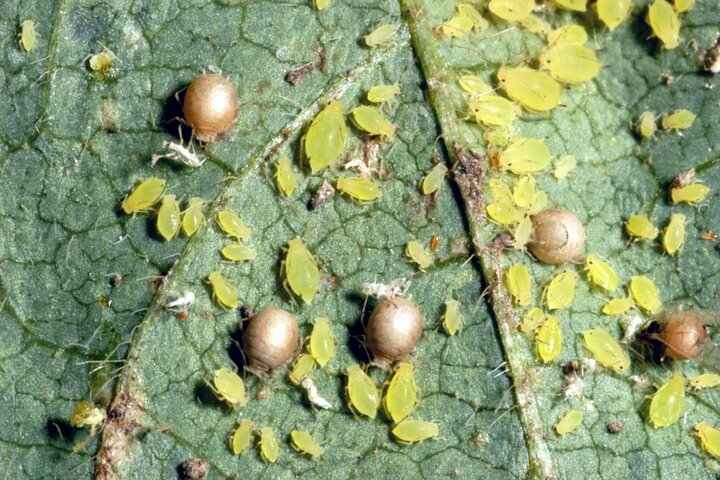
x=613 y=12
x=28 y=35
x=511 y=10
x=359 y=188
x=572 y=34
x=223 y=291
x=561 y=291
x=417 y=253
x=380 y=35
x=458 y=26
x=303 y=366
x=303 y=442
x=645 y=294
x=413 y=431
x=383 y=93
x=321 y=5
x=534 y=90
x=301 y=271
x=102 y=61
x=168 y=219
x=499 y=137
x=539 y=203
x=504 y=213
x=370 y=120
x=601 y=273
x=519 y=284
x=641 y=227
x=193 y=216
x=229 y=387
x=569 y=63
x=678 y=120
x=532 y=319
x=668 y=403
x=325 y=139
x=548 y=339
x=606 y=350
x=241 y=437
x=494 y=110
x=563 y=166
x=85 y=413
x=665 y=23
x=269 y=447
x=453 y=320
x=684 y=5
x=691 y=193
x=576 y=5
x=144 y=196
x=570 y=422
x=230 y=223
x=618 y=306
x=709 y=438
x=401 y=393
x=285 y=176
x=647 y=126
x=239 y=252
x=322 y=344
x=522 y=233
x=674 y=236
x=524 y=191
x=363 y=395
x=479 y=22
x=705 y=380
x=525 y=155
x=534 y=24
x=474 y=85
x=434 y=179
x=499 y=190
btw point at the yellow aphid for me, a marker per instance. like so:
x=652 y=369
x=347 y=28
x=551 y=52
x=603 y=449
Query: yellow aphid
x=474 y=85
x=601 y=273
x=674 y=237
x=370 y=120
x=684 y=5
x=383 y=93
x=511 y=10
x=645 y=294
x=285 y=176
x=417 y=253
x=561 y=291
x=647 y=126
x=325 y=139
x=641 y=227
x=85 y=413
x=321 y=5
x=434 y=179
x=239 y=252
x=534 y=24
x=519 y=284
x=453 y=320
x=494 y=110
x=303 y=366
x=678 y=120
x=322 y=343
x=359 y=188
x=241 y=437
x=706 y=380
x=380 y=35
x=479 y=22
x=28 y=35
x=569 y=63
x=144 y=196
x=413 y=431
x=230 y=223
x=193 y=216
x=569 y=34
x=168 y=219
x=525 y=155
x=363 y=395
x=606 y=350
x=301 y=270
x=269 y=447
x=522 y=233
x=401 y=393
x=563 y=166
x=229 y=387
x=532 y=319
x=101 y=62
x=504 y=213
x=539 y=203
x=533 y=89
x=524 y=191
x=499 y=137
x=570 y=422
x=618 y=306
x=548 y=339
x=499 y=190
x=303 y=442
x=223 y=291
x=668 y=403
x=691 y=193
x=613 y=12
x=458 y=26
x=709 y=438
x=576 y=5
x=665 y=23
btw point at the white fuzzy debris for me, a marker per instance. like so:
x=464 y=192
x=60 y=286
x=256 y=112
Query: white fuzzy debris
x=589 y=364
x=396 y=288
x=178 y=152
x=632 y=329
x=185 y=299
x=574 y=385
x=313 y=394
x=640 y=381
x=360 y=166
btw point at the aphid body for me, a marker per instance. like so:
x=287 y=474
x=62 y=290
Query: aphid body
x=674 y=237
x=325 y=139
x=413 y=431
x=645 y=293
x=417 y=253
x=647 y=125
x=285 y=176
x=576 y=5
x=563 y=166
x=303 y=442
x=606 y=350
x=494 y=110
x=239 y=252
x=86 y=413
x=709 y=438
x=383 y=93
x=28 y=35
x=269 y=447
x=705 y=380
x=572 y=34
x=229 y=387
x=304 y=365
x=144 y=196
x=548 y=339
x=362 y=393
x=525 y=155
x=193 y=216
x=641 y=227
x=613 y=12
x=618 y=306
x=434 y=179
x=359 y=188
x=519 y=284
x=561 y=291
x=474 y=85
x=370 y=120
x=569 y=63
x=322 y=344
x=230 y=223
x=452 y=321
x=678 y=120
x=570 y=422
x=522 y=233
x=301 y=270
x=511 y=10
x=102 y=61
x=532 y=319
x=168 y=219
x=533 y=89
x=691 y=193
x=241 y=437
x=223 y=291
x=479 y=22
x=401 y=394
x=380 y=35
x=668 y=403
x=601 y=273
x=665 y=23
x=458 y=26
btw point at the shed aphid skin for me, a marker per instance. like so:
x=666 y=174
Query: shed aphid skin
x=665 y=24
x=359 y=188
x=401 y=393
x=674 y=236
x=144 y=196
x=576 y=5
x=532 y=319
x=535 y=90
x=601 y=273
x=571 y=34
x=270 y=340
x=683 y=6
x=380 y=35
x=668 y=403
x=229 y=387
x=519 y=284
x=223 y=291
x=511 y=10
x=453 y=320
x=494 y=110
x=269 y=447
x=474 y=85
x=561 y=291
x=570 y=422
x=379 y=290
x=241 y=437
x=193 y=216
x=393 y=330
x=370 y=120
x=434 y=179
x=705 y=380
x=168 y=219
x=618 y=306
x=210 y=107
x=313 y=396
x=709 y=438
x=640 y=226
x=678 y=120
x=613 y=12
x=322 y=343
x=179 y=153
x=304 y=365
x=606 y=350
x=458 y=26
x=325 y=138
x=101 y=62
x=303 y=442
x=285 y=176
x=417 y=253
x=383 y=93
x=301 y=270
x=230 y=223
x=185 y=299
x=239 y=252
x=28 y=35
x=363 y=395
x=414 y=431
x=525 y=155
x=645 y=293
x=692 y=193
x=85 y=413
x=563 y=166
x=548 y=339
x=571 y=64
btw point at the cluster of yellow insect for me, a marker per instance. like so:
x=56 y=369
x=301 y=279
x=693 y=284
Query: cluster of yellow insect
x=321 y=349
x=513 y=208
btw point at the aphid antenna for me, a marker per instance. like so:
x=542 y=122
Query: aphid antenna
x=502 y=369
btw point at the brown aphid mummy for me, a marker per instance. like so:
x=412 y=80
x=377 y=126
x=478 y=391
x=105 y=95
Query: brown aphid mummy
x=683 y=334
x=210 y=107
x=393 y=330
x=270 y=341
x=558 y=236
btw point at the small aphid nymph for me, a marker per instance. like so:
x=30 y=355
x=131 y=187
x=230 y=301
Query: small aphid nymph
x=193 y=216
x=304 y=365
x=360 y=188
x=668 y=403
x=230 y=223
x=401 y=393
x=28 y=35
x=417 y=253
x=370 y=120
x=301 y=270
x=453 y=320
x=269 y=447
x=229 y=387
x=303 y=442
x=709 y=438
x=519 y=284
x=606 y=350
x=241 y=437
x=322 y=344
x=674 y=237
x=548 y=339
x=434 y=179
x=168 y=219
x=223 y=291
x=570 y=422
x=561 y=290
x=414 y=431
x=325 y=139
x=380 y=35
x=383 y=93
x=285 y=176
x=144 y=196
x=363 y=395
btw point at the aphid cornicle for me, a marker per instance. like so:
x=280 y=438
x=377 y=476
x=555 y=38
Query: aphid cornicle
x=241 y=437
x=668 y=403
x=223 y=291
x=558 y=236
x=363 y=395
x=229 y=387
x=301 y=270
x=210 y=107
x=144 y=196
x=303 y=442
x=393 y=330
x=322 y=344
x=401 y=393
x=270 y=340
x=325 y=138
x=168 y=219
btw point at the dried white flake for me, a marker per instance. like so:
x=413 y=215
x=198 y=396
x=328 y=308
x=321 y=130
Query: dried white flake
x=178 y=152
x=396 y=288
x=313 y=394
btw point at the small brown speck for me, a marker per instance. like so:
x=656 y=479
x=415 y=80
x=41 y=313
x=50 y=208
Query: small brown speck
x=615 y=427
x=195 y=469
